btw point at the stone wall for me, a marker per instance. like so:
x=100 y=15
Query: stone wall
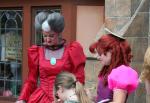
x=117 y=13
x=92 y=70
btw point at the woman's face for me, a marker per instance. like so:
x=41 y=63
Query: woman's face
x=50 y=38
x=105 y=58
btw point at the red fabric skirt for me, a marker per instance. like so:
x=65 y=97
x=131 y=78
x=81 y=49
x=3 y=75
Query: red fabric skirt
x=39 y=96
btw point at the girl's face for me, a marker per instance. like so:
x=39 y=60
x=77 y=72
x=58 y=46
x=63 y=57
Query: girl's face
x=50 y=38
x=105 y=58
x=60 y=93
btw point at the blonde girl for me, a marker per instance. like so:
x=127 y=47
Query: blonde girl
x=145 y=75
x=69 y=90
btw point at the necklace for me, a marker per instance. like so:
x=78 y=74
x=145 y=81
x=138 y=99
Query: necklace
x=52 y=61
x=52 y=56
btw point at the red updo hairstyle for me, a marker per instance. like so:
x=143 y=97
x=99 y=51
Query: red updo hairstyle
x=120 y=49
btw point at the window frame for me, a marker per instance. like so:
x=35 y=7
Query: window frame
x=68 y=10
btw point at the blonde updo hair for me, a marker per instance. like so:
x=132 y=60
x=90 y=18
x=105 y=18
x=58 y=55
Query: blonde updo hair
x=145 y=75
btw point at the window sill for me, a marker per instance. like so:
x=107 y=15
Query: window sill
x=11 y=99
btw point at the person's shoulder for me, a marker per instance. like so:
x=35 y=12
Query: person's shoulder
x=75 y=44
x=127 y=78
x=124 y=70
x=75 y=48
x=35 y=48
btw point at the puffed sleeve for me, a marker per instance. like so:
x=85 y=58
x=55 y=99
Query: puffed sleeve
x=78 y=61
x=123 y=77
x=31 y=82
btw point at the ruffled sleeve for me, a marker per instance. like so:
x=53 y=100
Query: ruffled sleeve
x=78 y=61
x=31 y=82
x=123 y=77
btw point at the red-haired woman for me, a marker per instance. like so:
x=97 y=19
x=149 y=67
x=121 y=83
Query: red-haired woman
x=116 y=78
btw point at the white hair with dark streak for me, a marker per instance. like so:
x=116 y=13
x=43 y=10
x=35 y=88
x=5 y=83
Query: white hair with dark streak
x=39 y=19
x=56 y=22
x=49 y=22
x=45 y=26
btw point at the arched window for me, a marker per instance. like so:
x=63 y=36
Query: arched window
x=10 y=52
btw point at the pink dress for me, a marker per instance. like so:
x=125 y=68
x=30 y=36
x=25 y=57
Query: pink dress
x=73 y=60
x=123 y=77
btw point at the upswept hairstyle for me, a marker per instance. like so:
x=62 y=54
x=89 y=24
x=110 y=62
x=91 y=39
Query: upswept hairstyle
x=55 y=21
x=39 y=19
x=145 y=75
x=68 y=80
x=120 y=49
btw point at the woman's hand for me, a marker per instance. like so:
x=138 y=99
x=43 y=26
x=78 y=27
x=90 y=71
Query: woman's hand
x=7 y=93
x=20 y=101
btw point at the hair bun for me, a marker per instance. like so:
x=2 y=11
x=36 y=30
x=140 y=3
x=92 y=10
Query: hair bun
x=39 y=19
x=56 y=22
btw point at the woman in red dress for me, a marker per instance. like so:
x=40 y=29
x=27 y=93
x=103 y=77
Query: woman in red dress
x=46 y=61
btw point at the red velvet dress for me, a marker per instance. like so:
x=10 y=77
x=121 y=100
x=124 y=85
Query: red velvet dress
x=73 y=60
